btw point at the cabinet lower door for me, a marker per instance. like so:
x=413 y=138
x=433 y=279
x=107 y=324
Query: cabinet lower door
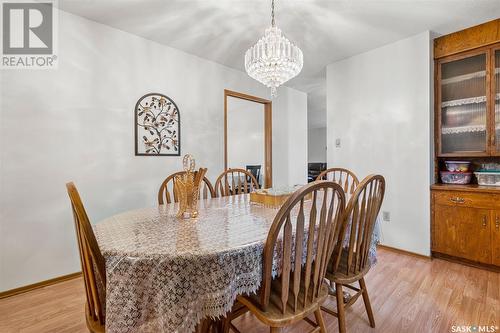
x=495 y=238
x=463 y=232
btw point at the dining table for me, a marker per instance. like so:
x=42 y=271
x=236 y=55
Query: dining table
x=170 y=274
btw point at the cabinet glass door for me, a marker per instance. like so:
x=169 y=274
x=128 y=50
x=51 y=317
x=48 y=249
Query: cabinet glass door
x=496 y=93
x=463 y=106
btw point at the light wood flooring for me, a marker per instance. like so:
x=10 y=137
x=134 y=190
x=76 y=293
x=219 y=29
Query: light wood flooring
x=408 y=294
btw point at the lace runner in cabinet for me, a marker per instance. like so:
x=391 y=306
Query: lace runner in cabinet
x=463 y=105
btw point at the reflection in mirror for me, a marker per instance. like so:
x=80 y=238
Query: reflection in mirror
x=246 y=136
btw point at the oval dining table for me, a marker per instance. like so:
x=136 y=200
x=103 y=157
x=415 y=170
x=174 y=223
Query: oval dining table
x=168 y=274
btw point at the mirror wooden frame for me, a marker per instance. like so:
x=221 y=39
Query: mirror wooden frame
x=268 y=154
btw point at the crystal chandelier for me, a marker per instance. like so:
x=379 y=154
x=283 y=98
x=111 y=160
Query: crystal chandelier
x=273 y=60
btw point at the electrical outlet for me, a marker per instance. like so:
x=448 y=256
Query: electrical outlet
x=386 y=216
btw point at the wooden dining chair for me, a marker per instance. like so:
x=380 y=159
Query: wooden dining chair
x=303 y=256
x=235 y=181
x=345 y=178
x=167 y=192
x=350 y=262
x=93 y=264
x=255 y=171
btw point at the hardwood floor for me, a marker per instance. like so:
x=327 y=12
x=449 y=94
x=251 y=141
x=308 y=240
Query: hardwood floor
x=408 y=294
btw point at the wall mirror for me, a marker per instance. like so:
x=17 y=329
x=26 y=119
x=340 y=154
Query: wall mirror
x=248 y=135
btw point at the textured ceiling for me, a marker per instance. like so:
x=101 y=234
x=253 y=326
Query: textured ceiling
x=326 y=31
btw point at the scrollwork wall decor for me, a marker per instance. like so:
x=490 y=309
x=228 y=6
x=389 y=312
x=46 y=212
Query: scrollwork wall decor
x=157 y=126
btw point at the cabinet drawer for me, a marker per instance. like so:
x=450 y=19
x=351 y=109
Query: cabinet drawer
x=467 y=199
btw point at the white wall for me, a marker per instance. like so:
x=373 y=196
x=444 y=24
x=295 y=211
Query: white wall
x=296 y=141
x=76 y=123
x=379 y=105
x=316 y=145
x=245 y=134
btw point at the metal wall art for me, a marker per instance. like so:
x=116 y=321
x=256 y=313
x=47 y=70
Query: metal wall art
x=157 y=126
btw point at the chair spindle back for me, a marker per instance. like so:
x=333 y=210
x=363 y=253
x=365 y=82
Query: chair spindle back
x=92 y=260
x=168 y=192
x=315 y=235
x=345 y=178
x=359 y=221
x=235 y=181
x=255 y=171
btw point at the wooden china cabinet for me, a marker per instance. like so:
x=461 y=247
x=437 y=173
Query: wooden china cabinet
x=466 y=218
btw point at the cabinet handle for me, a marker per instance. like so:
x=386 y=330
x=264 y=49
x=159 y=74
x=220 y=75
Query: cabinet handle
x=484 y=221
x=497 y=223
x=457 y=200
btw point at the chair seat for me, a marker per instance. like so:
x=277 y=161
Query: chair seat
x=340 y=275
x=274 y=315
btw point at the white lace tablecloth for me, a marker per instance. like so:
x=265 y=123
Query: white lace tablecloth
x=165 y=274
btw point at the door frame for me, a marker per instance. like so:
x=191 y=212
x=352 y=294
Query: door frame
x=268 y=154
x=493 y=93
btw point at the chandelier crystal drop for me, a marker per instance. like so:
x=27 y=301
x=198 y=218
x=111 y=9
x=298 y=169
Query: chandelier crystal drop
x=274 y=59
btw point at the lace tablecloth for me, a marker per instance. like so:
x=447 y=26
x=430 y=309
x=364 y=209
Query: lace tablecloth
x=165 y=274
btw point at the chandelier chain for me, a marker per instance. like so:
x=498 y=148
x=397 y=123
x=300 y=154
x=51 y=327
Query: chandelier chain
x=272 y=14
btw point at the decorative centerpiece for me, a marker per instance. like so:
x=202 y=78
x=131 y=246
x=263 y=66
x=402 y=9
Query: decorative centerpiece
x=187 y=186
x=274 y=197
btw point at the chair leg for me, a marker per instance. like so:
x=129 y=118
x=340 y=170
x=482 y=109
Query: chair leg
x=366 y=299
x=320 y=321
x=340 y=307
x=275 y=329
x=226 y=324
